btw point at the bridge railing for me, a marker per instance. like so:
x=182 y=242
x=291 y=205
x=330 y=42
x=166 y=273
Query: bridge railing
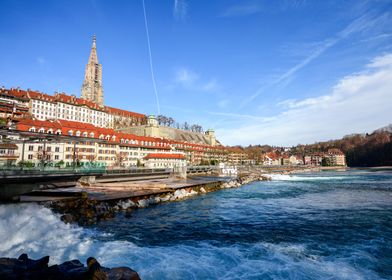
x=14 y=171
x=137 y=170
x=201 y=168
x=40 y=170
x=4 y=171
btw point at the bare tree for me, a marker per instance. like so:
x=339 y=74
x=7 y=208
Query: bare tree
x=170 y=121
x=44 y=156
x=120 y=158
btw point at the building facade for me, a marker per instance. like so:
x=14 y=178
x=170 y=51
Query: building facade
x=165 y=160
x=84 y=144
x=20 y=103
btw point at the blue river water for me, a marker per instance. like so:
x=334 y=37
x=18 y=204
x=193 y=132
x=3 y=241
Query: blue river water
x=328 y=225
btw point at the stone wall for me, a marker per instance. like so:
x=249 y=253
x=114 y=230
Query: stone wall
x=171 y=133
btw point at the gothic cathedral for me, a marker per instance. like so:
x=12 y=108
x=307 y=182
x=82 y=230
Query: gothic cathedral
x=92 y=85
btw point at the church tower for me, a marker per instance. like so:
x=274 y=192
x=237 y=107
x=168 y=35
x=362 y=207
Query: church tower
x=92 y=85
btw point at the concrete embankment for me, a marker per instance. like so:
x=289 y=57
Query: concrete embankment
x=103 y=201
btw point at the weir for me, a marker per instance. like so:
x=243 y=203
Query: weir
x=17 y=182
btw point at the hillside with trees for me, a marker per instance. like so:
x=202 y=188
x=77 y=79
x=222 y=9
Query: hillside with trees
x=361 y=150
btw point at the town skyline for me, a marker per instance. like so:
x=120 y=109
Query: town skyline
x=321 y=90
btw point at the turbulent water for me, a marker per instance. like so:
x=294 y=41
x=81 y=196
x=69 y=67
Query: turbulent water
x=330 y=225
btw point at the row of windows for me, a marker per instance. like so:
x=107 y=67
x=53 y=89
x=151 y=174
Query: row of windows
x=107 y=158
x=40 y=148
x=46 y=105
x=40 y=157
x=7 y=151
x=106 y=152
x=82 y=150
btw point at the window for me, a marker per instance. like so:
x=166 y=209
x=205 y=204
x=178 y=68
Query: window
x=70 y=133
x=32 y=129
x=57 y=149
x=56 y=157
x=85 y=134
x=49 y=149
x=77 y=133
x=31 y=148
x=30 y=156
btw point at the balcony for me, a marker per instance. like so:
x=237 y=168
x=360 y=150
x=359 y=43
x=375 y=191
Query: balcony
x=9 y=155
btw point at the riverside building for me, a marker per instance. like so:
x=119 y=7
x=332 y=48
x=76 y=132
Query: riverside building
x=100 y=134
x=87 y=144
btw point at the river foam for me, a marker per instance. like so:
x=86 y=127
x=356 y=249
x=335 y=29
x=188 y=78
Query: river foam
x=285 y=177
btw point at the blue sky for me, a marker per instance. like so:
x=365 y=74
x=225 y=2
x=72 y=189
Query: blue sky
x=269 y=72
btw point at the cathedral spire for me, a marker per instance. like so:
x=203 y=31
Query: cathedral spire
x=92 y=85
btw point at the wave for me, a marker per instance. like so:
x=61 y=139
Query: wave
x=37 y=231
x=284 y=177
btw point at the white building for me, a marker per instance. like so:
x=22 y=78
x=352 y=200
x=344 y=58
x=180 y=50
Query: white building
x=165 y=160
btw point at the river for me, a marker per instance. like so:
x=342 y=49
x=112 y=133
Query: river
x=327 y=225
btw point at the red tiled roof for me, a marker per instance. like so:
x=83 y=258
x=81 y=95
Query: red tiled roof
x=125 y=113
x=70 y=99
x=38 y=123
x=120 y=138
x=164 y=156
x=8 y=146
x=40 y=96
x=18 y=93
x=272 y=156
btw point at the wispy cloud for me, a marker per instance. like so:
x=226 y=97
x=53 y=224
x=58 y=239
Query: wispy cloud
x=359 y=25
x=378 y=37
x=241 y=10
x=359 y=102
x=180 y=9
x=185 y=77
x=188 y=79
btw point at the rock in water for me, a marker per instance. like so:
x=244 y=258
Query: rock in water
x=123 y=273
x=28 y=269
x=95 y=271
